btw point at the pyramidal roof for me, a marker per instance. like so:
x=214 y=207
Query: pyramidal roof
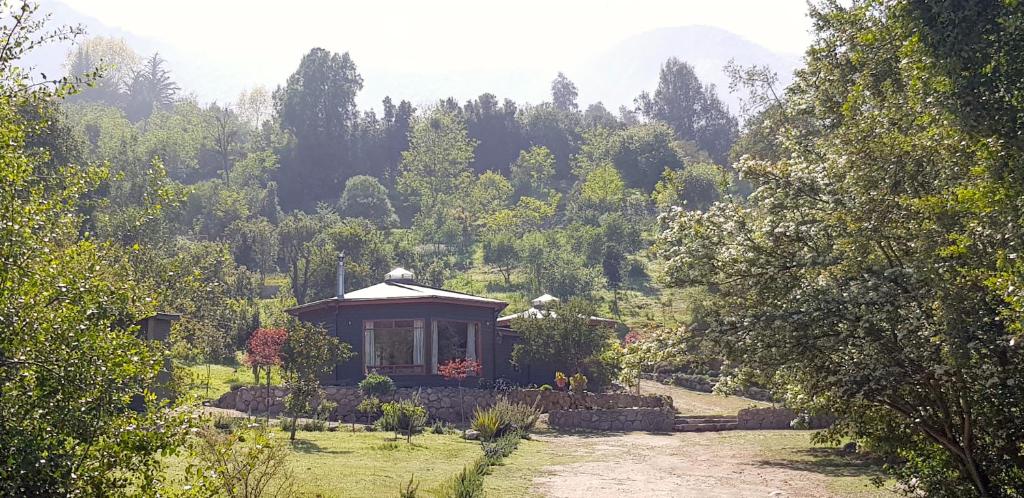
x=398 y=286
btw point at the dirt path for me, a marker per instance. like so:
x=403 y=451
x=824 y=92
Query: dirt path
x=689 y=402
x=725 y=464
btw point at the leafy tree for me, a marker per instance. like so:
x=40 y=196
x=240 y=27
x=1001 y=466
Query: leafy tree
x=364 y=197
x=878 y=248
x=263 y=351
x=696 y=187
x=533 y=172
x=255 y=106
x=497 y=132
x=611 y=266
x=564 y=93
x=558 y=131
x=116 y=61
x=500 y=252
x=70 y=359
x=254 y=245
x=563 y=335
x=307 y=354
x=436 y=166
x=317 y=106
x=602 y=190
x=692 y=109
x=598 y=116
x=151 y=88
x=640 y=153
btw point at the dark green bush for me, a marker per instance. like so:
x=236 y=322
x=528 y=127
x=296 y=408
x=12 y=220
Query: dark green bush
x=376 y=385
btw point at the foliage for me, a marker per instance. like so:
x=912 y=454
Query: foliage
x=458 y=369
x=376 y=384
x=370 y=406
x=364 y=197
x=692 y=109
x=71 y=363
x=578 y=383
x=403 y=415
x=563 y=335
x=883 y=244
x=487 y=423
x=308 y=354
x=410 y=489
x=265 y=346
x=468 y=483
x=696 y=187
x=240 y=464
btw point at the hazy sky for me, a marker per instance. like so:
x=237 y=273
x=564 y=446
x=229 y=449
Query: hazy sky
x=265 y=39
x=469 y=33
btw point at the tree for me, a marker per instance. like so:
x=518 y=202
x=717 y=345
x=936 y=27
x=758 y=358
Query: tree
x=694 y=188
x=533 y=172
x=116 y=61
x=364 y=197
x=317 y=107
x=151 y=88
x=457 y=370
x=562 y=335
x=564 y=93
x=500 y=252
x=602 y=190
x=307 y=354
x=70 y=359
x=436 y=165
x=263 y=350
x=255 y=106
x=611 y=266
x=877 y=248
x=692 y=109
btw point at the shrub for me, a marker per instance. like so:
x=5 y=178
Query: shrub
x=516 y=416
x=485 y=383
x=502 y=447
x=369 y=406
x=439 y=427
x=243 y=464
x=487 y=423
x=410 y=489
x=545 y=387
x=376 y=385
x=578 y=383
x=314 y=425
x=505 y=385
x=406 y=415
x=469 y=483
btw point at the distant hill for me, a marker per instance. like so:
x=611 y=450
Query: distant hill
x=620 y=73
x=614 y=76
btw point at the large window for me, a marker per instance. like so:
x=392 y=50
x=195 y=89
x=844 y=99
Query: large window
x=393 y=343
x=452 y=340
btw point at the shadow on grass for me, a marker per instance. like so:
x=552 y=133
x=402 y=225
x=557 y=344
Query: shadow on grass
x=309 y=447
x=827 y=461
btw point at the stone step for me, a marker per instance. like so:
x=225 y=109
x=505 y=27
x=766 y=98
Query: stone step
x=705 y=427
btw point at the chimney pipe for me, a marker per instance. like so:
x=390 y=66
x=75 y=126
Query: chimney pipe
x=340 y=294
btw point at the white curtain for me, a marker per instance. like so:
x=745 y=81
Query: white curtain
x=371 y=359
x=471 y=341
x=433 y=347
x=417 y=343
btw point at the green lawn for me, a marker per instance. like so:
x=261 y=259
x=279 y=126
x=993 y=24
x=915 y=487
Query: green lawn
x=221 y=378
x=369 y=464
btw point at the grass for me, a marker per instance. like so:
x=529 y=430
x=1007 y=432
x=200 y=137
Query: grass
x=514 y=476
x=847 y=475
x=345 y=463
x=221 y=378
x=689 y=402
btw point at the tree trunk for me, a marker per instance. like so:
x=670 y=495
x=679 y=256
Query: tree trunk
x=207 y=381
x=268 y=394
x=295 y=422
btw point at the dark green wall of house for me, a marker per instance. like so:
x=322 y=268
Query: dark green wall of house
x=346 y=323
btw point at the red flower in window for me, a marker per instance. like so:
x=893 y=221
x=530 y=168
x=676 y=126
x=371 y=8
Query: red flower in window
x=459 y=369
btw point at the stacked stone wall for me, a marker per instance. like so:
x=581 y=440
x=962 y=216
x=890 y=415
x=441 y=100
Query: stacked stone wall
x=779 y=418
x=615 y=419
x=442 y=403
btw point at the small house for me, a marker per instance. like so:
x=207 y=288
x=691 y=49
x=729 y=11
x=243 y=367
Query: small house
x=406 y=330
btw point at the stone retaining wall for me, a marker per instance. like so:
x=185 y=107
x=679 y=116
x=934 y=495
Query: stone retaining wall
x=442 y=403
x=616 y=419
x=777 y=418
